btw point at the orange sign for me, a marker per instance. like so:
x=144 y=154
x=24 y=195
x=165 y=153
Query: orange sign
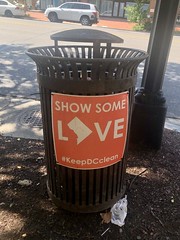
x=89 y=131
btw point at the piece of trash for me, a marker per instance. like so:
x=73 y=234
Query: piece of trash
x=119 y=212
x=105 y=231
x=39 y=158
x=25 y=182
x=11 y=204
x=106 y=217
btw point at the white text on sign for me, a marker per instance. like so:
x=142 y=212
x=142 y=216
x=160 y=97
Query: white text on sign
x=82 y=131
x=86 y=108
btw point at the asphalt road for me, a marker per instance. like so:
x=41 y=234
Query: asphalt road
x=18 y=71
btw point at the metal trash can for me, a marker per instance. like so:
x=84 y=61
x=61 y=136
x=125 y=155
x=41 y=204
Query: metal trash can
x=87 y=94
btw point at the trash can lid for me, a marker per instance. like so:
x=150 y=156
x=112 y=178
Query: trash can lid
x=86 y=35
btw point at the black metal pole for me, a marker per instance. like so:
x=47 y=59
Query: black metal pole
x=150 y=105
x=161 y=39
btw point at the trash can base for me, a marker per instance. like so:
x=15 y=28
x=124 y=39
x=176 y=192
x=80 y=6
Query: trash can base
x=147 y=125
x=84 y=208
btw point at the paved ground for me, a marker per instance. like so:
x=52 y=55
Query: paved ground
x=22 y=117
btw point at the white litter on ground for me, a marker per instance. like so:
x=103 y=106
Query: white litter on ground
x=119 y=212
x=25 y=182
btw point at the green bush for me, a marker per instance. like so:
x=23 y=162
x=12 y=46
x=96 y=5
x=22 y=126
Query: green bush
x=143 y=26
x=137 y=14
x=139 y=27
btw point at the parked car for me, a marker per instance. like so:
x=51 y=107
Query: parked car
x=9 y=10
x=84 y=13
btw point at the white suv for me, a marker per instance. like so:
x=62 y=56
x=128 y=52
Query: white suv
x=9 y=10
x=85 y=13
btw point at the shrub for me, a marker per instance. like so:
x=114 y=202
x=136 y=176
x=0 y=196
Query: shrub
x=138 y=15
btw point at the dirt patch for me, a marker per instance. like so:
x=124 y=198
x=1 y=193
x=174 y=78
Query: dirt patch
x=153 y=182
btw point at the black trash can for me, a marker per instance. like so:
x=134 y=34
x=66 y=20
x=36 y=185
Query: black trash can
x=87 y=94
